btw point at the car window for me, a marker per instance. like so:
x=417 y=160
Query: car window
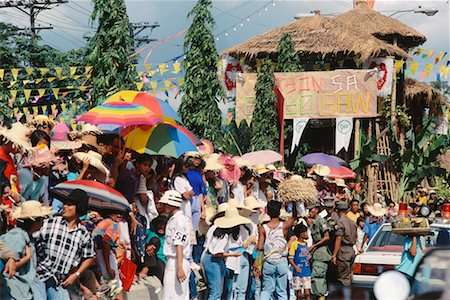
x=386 y=240
x=432 y=275
x=440 y=237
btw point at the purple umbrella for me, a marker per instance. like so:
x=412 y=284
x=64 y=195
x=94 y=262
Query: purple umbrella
x=320 y=158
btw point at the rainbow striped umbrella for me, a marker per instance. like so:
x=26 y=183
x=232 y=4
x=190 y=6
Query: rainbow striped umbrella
x=159 y=107
x=120 y=113
x=101 y=196
x=162 y=139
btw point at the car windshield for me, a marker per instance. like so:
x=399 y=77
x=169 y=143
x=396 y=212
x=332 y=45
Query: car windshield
x=432 y=276
x=387 y=241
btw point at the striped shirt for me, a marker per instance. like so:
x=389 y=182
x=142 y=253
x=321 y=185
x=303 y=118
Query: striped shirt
x=61 y=249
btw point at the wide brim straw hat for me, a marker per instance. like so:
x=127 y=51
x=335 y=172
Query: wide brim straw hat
x=231 y=219
x=60 y=138
x=235 y=203
x=40 y=120
x=261 y=169
x=210 y=212
x=221 y=209
x=31 y=209
x=253 y=204
x=340 y=183
x=271 y=167
x=18 y=135
x=377 y=210
x=242 y=163
x=91 y=140
x=87 y=128
x=298 y=189
x=42 y=157
x=321 y=170
x=212 y=164
x=283 y=170
x=95 y=160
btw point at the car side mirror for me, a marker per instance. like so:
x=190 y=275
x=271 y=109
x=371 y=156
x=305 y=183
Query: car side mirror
x=391 y=285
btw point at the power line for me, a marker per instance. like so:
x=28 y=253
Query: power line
x=342 y=3
x=74 y=2
x=81 y=12
x=63 y=37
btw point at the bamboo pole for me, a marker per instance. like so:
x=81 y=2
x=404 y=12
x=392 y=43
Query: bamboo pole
x=357 y=141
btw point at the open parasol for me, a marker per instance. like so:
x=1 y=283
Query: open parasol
x=319 y=158
x=262 y=157
x=101 y=196
x=121 y=114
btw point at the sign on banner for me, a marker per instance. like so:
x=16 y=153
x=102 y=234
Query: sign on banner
x=316 y=95
x=385 y=67
x=344 y=129
x=231 y=68
x=299 y=126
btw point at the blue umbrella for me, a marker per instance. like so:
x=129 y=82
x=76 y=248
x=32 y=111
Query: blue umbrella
x=319 y=158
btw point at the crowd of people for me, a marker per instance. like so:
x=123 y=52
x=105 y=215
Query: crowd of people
x=211 y=224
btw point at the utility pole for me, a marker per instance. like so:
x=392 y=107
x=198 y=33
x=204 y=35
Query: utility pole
x=32 y=8
x=136 y=28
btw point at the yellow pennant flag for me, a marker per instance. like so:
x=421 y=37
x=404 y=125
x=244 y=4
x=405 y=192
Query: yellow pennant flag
x=27 y=94
x=76 y=77
x=15 y=73
x=44 y=109
x=428 y=68
x=430 y=53
x=41 y=92
x=55 y=93
x=220 y=65
x=140 y=74
x=35 y=111
x=13 y=93
x=152 y=72
x=74 y=107
x=398 y=65
x=357 y=61
x=82 y=88
x=39 y=80
x=162 y=68
x=133 y=67
x=73 y=126
x=43 y=71
x=29 y=70
x=25 y=82
x=154 y=85
x=16 y=110
x=2 y=73
x=147 y=67
x=11 y=84
x=248 y=121
x=63 y=106
x=51 y=79
x=443 y=70
x=139 y=86
x=72 y=71
x=167 y=83
x=413 y=66
x=181 y=81
x=176 y=67
x=87 y=69
x=238 y=123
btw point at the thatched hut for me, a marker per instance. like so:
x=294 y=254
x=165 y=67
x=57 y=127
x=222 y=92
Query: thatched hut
x=316 y=38
x=365 y=19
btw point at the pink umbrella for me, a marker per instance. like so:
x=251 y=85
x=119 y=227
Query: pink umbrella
x=231 y=171
x=341 y=173
x=262 y=157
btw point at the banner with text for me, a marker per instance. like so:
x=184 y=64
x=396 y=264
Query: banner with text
x=317 y=95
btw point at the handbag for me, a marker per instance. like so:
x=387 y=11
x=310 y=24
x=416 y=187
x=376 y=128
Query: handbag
x=127 y=272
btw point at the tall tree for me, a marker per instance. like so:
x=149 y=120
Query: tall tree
x=110 y=48
x=289 y=61
x=202 y=90
x=265 y=125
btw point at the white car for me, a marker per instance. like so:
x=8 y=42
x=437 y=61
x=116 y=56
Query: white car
x=385 y=249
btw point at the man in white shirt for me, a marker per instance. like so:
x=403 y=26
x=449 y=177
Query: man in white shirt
x=177 y=249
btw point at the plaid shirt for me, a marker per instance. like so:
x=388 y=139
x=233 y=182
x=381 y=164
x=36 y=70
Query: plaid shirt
x=60 y=249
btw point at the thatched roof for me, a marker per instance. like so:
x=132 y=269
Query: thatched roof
x=316 y=36
x=364 y=19
x=414 y=88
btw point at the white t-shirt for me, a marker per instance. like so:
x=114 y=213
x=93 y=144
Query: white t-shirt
x=238 y=192
x=234 y=263
x=214 y=244
x=177 y=233
x=253 y=231
x=182 y=185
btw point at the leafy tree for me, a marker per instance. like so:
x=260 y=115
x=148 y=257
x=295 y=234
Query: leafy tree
x=110 y=48
x=202 y=90
x=289 y=61
x=265 y=125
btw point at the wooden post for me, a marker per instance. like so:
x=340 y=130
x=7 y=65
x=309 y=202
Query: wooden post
x=369 y=170
x=394 y=93
x=357 y=141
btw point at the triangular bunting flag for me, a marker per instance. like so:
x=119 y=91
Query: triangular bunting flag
x=72 y=71
x=82 y=88
x=162 y=68
x=74 y=106
x=25 y=82
x=428 y=68
x=39 y=80
x=87 y=69
x=15 y=73
x=176 y=67
x=62 y=77
x=248 y=121
x=398 y=65
x=43 y=71
x=439 y=57
x=29 y=70
x=238 y=123
x=133 y=67
x=152 y=72
x=76 y=77
x=181 y=81
x=41 y=92
x=413 y=66
x=13 y=93
x=147 y=67
x=167 y=83
x=423 y=75
x=44 y=109
x=63 y=106
x=27 y=93
x=430 y=53
x=55 y=92
x=51 y=79
x=154 y=85
x=2 y=73
x=16 y=110
x=11 y=84
x=418 y=51
x=139 y=86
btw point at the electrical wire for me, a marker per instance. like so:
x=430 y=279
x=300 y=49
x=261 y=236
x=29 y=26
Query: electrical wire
x=342 y=3
x=81 y=12
x=240 y=18
x=83 y=8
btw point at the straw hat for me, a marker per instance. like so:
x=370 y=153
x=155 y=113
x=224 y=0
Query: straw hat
x=242 y=162
x=172 y=198
x=40 y=120
x=340 y=182
x=377 y=210
x=91 y=140
x=87 y=128
x=321 y=170
x=283 y=170
x=193 y=154
x=18 y=135
x=221 y=209
x=42 y=157
x=271 y=167
x=212 y=164
x=95 y=160
x=235 y=203
x=251 y=203
x=231 y=219
x=30 y=210
x=261 y=169
x=60 y=138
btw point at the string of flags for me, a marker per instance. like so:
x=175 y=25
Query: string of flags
x=429 y=53
x=423 y=69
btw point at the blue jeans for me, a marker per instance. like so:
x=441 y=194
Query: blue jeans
x=196 y=210
x=193 y=286
x=274 y=281
x=251 y=285
x=228 y=285
x=215 y=272
x=241 y=280
x=49 y=291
